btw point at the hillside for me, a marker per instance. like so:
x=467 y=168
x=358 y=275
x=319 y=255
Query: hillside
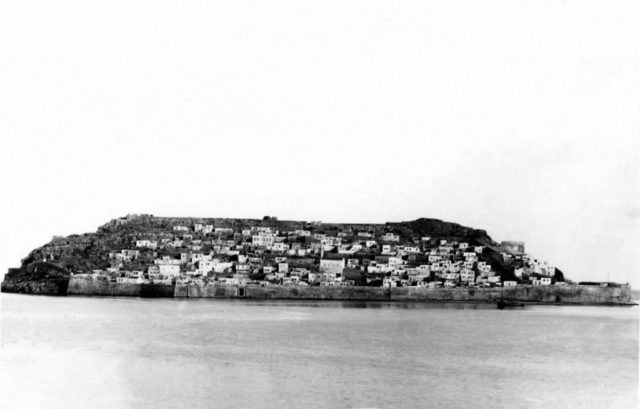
x=145 y=248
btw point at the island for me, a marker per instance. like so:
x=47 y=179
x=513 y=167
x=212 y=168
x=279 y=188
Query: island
x=425 y=260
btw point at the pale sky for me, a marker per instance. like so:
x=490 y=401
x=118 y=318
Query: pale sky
x=518 y=117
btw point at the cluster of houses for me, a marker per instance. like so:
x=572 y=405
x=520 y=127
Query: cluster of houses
x=202 y=253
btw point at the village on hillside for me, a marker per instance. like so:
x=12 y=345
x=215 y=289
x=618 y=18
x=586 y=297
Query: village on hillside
x=316 y=255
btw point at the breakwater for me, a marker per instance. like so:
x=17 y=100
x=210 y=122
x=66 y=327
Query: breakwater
x=568 y=294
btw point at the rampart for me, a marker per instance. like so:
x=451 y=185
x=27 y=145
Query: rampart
x=568 y=294
x=91 y=286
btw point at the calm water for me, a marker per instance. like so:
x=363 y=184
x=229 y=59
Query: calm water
x=76 y=352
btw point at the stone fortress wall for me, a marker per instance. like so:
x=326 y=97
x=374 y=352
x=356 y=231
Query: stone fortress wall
x=568 y=294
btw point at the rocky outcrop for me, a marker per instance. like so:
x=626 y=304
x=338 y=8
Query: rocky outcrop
x=37 y=278
x=439 y=228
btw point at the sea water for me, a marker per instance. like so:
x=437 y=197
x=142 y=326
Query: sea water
x=92 y=352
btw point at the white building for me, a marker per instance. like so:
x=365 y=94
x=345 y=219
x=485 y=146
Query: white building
x=147 y=243
x=467 y=276
x=280 y=247
x=395 y=261
x=169 y=269
x=290 y=280
x=390 y=237
x=222 y=267
x=332 y=266
x=470 y=255
x=205 y=266
x=542 y=281
x=451 y=276
x=283 y=267
x=263 y=239
x=314 y=278
x=223 y=230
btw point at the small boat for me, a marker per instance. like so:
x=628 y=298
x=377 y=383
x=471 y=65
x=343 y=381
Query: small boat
x=502 y=304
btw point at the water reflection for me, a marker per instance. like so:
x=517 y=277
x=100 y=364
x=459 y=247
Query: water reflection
x=443 y=305
x=75 y=352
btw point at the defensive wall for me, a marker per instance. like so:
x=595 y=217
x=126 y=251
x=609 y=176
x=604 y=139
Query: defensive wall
x=568 y=294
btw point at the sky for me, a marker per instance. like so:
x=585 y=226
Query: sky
x=521 y=118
